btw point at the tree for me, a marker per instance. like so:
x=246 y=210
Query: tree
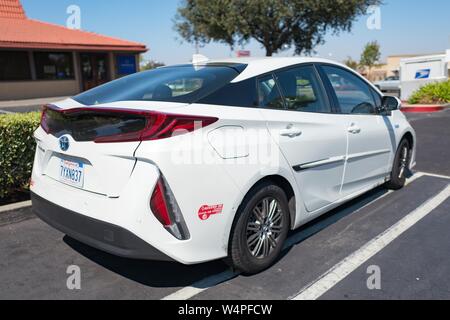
x=370 y=56
x=349 y=62
x=275 y=24
x=149 y=65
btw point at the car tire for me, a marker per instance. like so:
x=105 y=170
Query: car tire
x=400 y=167
x=260 y=229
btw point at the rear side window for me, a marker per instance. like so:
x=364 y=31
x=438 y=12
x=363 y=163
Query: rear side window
x=353 y=94
x=181 y=87
x=303 y=90
x=239 y=94
x=184 y=84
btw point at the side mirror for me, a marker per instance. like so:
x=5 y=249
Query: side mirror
x=390 y=104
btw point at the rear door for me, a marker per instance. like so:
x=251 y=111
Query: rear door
x=311 y=137
x=371 y=138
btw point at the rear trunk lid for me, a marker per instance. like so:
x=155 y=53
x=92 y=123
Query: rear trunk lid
x=68 y=152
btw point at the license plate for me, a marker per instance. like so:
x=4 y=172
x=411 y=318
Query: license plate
x=72 y=173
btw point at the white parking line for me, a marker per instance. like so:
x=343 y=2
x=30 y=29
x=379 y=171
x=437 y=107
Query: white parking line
x=435 y=175
x=300 y=236
x=6 y=112
x=200 y=286
x=341 y=270
x=207 y=283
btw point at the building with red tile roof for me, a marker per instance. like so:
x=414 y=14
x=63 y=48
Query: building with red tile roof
x=39 y=59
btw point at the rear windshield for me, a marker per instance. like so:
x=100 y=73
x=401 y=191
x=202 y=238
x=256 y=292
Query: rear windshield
x=185 y=84
x=88 y=126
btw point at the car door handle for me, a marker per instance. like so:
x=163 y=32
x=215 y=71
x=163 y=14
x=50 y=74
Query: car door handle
x=291 y=133
x=354 y=129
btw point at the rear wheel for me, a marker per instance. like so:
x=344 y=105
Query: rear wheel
x=260 y=230
x=401 y=166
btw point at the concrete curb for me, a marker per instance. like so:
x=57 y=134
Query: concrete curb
x=16 y=212
x=15 y=206
x=423 y=108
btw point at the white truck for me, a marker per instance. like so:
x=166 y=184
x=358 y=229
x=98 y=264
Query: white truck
x=419 y=71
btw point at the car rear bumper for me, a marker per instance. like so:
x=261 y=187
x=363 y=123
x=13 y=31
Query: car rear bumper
x=98 y=234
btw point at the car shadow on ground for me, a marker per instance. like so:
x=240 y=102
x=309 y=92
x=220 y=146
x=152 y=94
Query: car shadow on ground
x=173 y=274
x=315 y=226
x=305 y=232
x=150 y=273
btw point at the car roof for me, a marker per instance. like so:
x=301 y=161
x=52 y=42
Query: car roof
x=261 y=65
x=256 y=66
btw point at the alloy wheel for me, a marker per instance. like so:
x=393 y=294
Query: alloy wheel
x=403 y=162
x=264 y=228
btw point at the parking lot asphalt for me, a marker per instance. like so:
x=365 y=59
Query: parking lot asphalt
x=433 y=141
x=402 y=234
x=28 y=105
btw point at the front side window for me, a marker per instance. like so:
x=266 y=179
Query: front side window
x=184 y=84
x=302 y=90
x=14 y=65
x=269 y=95
x=54 y=65
x=353 y=94
x=377 y=98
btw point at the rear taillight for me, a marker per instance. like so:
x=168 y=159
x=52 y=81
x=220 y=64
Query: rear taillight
x=158 y=205
x=44 y=120
x=161 y=126
x=137 y=125
x=166 y=210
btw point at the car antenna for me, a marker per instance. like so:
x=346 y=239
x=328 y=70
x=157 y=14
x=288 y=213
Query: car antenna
x=199 y=58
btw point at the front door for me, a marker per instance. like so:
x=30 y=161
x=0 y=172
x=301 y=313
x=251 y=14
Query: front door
x=311 y=137
x=94 y=69
x=370 y=137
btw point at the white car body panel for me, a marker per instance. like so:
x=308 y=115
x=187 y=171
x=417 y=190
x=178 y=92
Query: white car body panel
x=324 y=142
x=367 y=163
x=336 y=166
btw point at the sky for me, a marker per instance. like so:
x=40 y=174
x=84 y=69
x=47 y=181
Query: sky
x=407 y=27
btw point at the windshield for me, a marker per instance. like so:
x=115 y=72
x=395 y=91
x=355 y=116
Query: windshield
x=185 y=84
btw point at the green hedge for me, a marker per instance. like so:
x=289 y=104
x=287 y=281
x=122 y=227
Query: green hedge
x=17 y=147
x=434 y=93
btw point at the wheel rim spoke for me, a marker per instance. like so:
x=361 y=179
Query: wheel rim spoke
x=402 y=170
x=266 y=209
x=403 y=162
x=273 y=209
x=266 y=247
x=252 y=240
x=277 y=217
x=276 y=230
x=254 y=226
x=258 y=247
x=258 y=214
x=272 y=241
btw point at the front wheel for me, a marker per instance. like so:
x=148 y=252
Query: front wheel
x=260 y=230
x=401 y=166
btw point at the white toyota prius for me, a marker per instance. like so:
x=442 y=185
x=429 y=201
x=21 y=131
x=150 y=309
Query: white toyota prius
x=215 y=159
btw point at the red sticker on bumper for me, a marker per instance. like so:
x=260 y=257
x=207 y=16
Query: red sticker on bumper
x=207 y=211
